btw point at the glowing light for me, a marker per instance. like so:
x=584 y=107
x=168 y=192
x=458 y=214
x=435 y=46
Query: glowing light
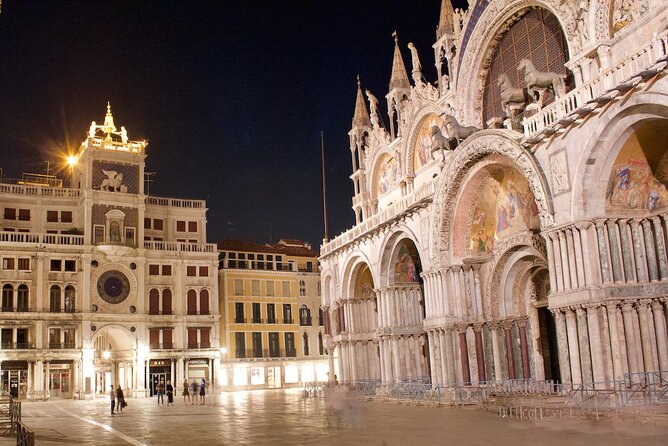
x=106 y=354
x=71 y=160
x=142 y=350
x=223 y=350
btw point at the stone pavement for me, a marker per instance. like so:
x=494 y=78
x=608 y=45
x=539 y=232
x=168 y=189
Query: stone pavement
x=287 y=418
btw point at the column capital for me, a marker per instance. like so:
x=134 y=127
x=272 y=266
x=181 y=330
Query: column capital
x=507 y=324
x=493 y=325
x=657 y=304
x=477 y=326
x=627 y=307
x=592 y=306
x=522 y=321
x=461 y=327
x=583 y=224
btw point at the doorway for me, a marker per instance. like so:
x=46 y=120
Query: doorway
x=548 y=344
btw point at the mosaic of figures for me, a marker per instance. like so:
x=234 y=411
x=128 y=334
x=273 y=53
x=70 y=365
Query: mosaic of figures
x=626 y=12
x=638 y=179
x=364 y=283
x=424 y=140
x=388 y=173
x=406 y=265
x=504 y=206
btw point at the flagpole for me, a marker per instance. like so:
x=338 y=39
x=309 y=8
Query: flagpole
x=324 y=185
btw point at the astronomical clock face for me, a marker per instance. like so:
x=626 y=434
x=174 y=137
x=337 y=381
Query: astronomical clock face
x=113 y=287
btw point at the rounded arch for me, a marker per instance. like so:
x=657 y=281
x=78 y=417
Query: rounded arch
x=419 y=119
x=115 y=338
x=353 y=266
x=388 y=157
x=494 y=20
x=389 y=251
x=590 y=181
x=468 y=157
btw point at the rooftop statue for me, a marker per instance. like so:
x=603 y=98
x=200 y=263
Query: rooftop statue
x=457 y=131
x=510 y=95
x=91 y=131
x=536 y=80
x=415 y=60
x=373 y=108
x=124 y=135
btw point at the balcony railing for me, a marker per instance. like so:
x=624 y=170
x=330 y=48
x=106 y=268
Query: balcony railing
x=41 y=239
x=288 y=321
x=176 y=202
x=271 y=320
x=196 y=345
x=61 y=345
x=16 y=345
x=180 y=246
x=305 y=321
x=198 y=313
x=21 y=189
x=62 y=310
x=161 y=346
x=19 y=309
x=257 y=320
x=239 y=320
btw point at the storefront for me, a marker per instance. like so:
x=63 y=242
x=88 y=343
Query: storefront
x=160 y=371
x=14 y=378
x=197 y=369
x=60 y=375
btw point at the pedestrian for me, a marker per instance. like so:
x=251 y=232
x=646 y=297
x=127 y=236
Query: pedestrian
x=170 y=393
x=112 y=395
x=193 y=389
x=202 y=391
x=160 y=390
x=120 y=400
x=186 y=392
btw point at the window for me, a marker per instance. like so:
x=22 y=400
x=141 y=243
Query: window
x=129 y=236
x=167 y=338
x=24 y=264
x=238 y=287
x=204 y=271
x=271 y=313
x=154 y=270
x=240 y=344
x=98 y=234
x=321 y=346
x=147 y=223
x=166 y=270
x=305 y=342
x=304 y=316
x=192 y=226
x=68 y=338
x=274 y=348
x=285 y=288
x=255 y=287
x=180 y=226
x=51 y=216
x=56 y=265
x=66 y=216
x=302 y=288
x=191 y=271
x=22 y=298
x=7 y=263
x=167 y=301
x=204 y=302
x=154 y=301
x=10 y=214
x=257 y=316
x=270 y=288
x=54 y=337
x=290 y=345
x=257 y=345
x=54 y=299
x=287 y=313
x=157 y=224
x=239 y=313
x=24 y=214
x=192 y=302
x=321 y=317
x=22 y=338
x=70 y=265
x=70 y=299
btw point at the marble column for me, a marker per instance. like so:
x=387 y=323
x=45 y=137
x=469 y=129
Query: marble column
x=645 y=335
x=596 y=344
x=585 y=352
x=496 y=354
x=572 y=259
x=650 y=248
x=550 y=261
x=480 y=354
x=580 y=267
x=628 y=313
x=463 y=348
x=639 y=251
x=627 y=250
x=615 y=344
x=615 y=252
x=662 y=256
x=562 y=345
x=566 y=269
x=507 y=329
x=449 y=357
x=661 y=337
x=573 y=346
x=524 y=347
x=604 y=262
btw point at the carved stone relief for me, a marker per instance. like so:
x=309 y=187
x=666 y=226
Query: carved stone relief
x=559 y=172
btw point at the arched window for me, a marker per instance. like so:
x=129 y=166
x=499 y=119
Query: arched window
x=318 y=288
x=154 y=301
x=321 y=316
x=321 y=346
x=305 y=344
x=302 y=288
x=167 y=301
x=54 y=299
x=304 y=316
x=192 y=302
x=22 y=298
x=70 y=299
x=204 y=302
x=7 y=298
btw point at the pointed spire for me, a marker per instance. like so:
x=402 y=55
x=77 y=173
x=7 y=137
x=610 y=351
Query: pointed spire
x=399 y=77
x=108 y=126
x=361 y=116
x=446 y=23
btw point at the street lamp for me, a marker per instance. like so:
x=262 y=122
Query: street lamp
x=71 y=161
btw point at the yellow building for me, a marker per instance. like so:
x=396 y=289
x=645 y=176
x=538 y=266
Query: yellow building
x=271 y=319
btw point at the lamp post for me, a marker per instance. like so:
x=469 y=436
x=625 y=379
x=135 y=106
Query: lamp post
x=71 y=161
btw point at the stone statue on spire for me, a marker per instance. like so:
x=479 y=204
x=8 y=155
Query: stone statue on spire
x=92 y=130
x=415 y=60
x=373 y=108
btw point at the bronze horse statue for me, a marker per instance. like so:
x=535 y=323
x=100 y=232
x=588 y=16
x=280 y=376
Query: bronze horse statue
x=510 y=94
x=457 y=131
x=541 y=79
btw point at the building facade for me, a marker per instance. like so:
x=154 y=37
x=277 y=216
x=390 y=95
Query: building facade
x=271 y=321
x=511 y=221
x=101 y=283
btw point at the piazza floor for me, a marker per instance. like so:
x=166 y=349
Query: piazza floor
x=286 y=418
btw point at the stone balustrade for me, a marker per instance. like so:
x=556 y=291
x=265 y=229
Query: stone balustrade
x=175 y=202
x=180 y=246
x=35 y=239
x=55 y=192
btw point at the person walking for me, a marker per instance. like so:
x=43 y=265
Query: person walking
x=160 y=390
x=170 y=393
x=186 y=392
x=194 y=390
x=202 y=391
x=112 y=395
x=120 y=400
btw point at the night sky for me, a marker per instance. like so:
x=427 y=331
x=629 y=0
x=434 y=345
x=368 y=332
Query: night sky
x=231 y=96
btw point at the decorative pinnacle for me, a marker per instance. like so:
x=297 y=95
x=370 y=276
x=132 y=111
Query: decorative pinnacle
x=359 y=84
x=396 y=38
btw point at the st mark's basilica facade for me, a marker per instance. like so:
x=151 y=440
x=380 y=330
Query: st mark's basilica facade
x=511 y=220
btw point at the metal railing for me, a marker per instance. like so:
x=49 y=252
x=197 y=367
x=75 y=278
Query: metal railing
x=24 y=436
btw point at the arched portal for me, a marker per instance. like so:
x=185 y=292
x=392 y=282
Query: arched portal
x=403 y=342
x=114 y=352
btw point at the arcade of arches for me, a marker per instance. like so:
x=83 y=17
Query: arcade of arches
x=521 y=248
